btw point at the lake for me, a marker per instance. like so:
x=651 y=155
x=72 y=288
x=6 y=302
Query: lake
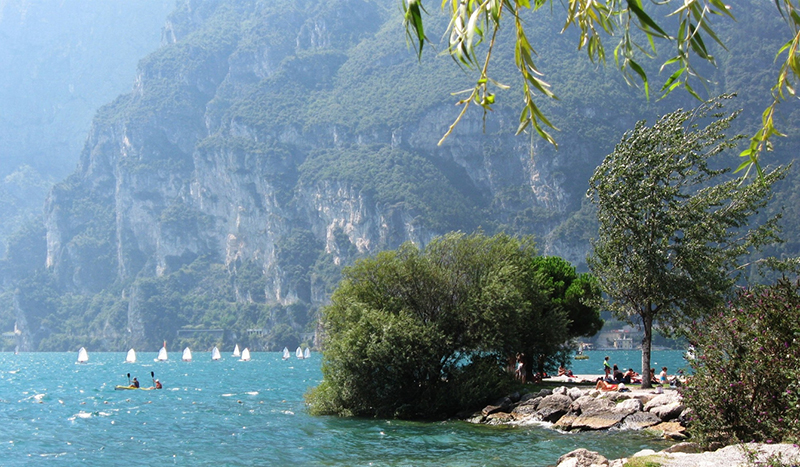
x=233 y=413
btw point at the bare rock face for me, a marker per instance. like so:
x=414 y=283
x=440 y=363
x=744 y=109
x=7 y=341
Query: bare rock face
x=640 y=420
x=669 y=411
x=663 y=399
x=630 y=404
x=600 y=420
x=669 y=430
x=553 y=407
x=526 y=409
x=581 y=458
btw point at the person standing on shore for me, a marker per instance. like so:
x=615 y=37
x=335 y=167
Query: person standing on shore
x=606 y=367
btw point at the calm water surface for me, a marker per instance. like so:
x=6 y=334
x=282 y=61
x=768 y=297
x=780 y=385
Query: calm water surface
x=232 y=413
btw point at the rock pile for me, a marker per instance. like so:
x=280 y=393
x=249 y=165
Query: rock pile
x=575 y=409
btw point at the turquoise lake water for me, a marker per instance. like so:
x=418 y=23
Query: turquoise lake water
x=232 y=413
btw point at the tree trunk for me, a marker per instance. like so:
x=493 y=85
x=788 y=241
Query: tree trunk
x=647 y=341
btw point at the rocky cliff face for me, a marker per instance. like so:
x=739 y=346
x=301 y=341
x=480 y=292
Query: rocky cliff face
x=204 y=159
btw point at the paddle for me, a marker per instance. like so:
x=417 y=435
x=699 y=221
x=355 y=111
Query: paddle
x=129 y=379
x=153 y=375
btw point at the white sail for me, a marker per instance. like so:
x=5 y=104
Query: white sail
x=215 y=354
x=162 y=355
x=286 y=353
x=245 y=354
x=298 y=353
x=187 y=355
x=307 y=353
x=83 y=357
x=131 y=357
x=236 y=352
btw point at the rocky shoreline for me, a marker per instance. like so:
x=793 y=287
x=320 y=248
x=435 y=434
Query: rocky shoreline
x=576 y=409
x=663 y=414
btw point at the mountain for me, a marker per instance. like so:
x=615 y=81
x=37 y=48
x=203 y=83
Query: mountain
x=266 y=144
x=61 y=60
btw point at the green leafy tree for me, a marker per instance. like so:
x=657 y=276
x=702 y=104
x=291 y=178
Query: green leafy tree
x=673 y=229
x=633 y=28
x=424 y=333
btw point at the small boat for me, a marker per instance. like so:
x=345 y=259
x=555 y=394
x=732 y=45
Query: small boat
x=123 y=388
x=286 y=354
x=307 y=353
x=236 y=352
x=83 y=357
x=581 y=357
x=131 y=357
x=162 y=354
x=215 y=354
x=299 y=353
x=246 y=355
x=187 y=355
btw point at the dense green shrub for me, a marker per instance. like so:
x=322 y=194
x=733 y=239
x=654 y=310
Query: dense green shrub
x=426 y=333
x=747 y=372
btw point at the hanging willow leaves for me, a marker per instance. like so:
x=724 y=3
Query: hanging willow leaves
x=635 y=29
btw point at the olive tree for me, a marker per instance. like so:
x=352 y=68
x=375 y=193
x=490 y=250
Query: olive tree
x=417 y=333
x=673 y=230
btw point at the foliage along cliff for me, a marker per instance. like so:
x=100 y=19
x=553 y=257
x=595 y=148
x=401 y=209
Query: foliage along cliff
x=266 y=144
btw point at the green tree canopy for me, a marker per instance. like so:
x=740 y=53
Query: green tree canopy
x=672 y=229
x=424 y=333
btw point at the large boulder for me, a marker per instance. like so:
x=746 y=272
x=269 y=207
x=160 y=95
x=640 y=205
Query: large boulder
x=502 y=405
x=565 y=422
x=561 y=390
x=669 y=411
x=574 y=393
x=669 y=430
x=640 y=420
x=634 y=405
x=551 y=408
x=526 y=409
x=581 y=458
x=590 y=404
x=601 y=420
x=662 y=399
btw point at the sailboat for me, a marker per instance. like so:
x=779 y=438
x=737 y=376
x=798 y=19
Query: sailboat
x=187 y=355
x=215 y=354
x=286 y=354
x=162 y=354
x=307 y=352
x=83 y=357
x=299 y=353
x=131 y=357
x=236 y=352
x=246 y=355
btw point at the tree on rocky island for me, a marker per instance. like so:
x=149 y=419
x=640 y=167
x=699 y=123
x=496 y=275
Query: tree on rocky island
x=673 y=230
x=425 y=333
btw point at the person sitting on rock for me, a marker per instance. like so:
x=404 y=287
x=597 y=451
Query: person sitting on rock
x=630 y=377
x=618 y=375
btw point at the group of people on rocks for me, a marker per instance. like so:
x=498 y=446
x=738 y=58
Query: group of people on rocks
x=614 y=377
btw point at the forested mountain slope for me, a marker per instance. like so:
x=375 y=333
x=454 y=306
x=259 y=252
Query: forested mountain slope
x=268 y=143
